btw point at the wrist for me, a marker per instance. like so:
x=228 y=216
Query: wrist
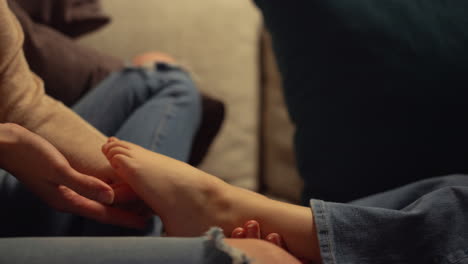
x=9 y=137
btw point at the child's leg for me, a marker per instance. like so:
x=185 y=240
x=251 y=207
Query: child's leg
x=158 y=109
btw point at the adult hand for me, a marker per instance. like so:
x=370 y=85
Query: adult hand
x=47 y=173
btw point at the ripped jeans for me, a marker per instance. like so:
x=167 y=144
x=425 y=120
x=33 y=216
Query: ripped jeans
x=157 y=108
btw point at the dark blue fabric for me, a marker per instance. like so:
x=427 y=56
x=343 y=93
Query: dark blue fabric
x=376 y=89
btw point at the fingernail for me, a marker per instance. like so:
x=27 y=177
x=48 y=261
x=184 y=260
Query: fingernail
x=106 y=197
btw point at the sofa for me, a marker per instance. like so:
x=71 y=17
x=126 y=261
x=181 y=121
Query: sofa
x=225 y=46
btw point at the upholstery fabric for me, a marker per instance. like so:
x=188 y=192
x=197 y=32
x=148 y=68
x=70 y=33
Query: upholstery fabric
x=218 y=41
x=71 y=17
x=376 y=90
x=279 y=176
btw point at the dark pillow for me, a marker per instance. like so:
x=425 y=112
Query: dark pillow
x=71 y=17
x=68 y=69
x=377 y=89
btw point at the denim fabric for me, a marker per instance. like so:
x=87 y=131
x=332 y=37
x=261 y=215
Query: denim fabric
x=158 y=109
x=424 y=222
x=128 y=250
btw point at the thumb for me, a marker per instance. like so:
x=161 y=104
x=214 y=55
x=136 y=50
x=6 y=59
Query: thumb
x=89 y=187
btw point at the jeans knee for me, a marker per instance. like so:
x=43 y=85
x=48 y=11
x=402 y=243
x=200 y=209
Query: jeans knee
x=181 y=85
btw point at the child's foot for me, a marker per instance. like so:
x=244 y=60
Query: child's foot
x=150 y=58
x=188 y=200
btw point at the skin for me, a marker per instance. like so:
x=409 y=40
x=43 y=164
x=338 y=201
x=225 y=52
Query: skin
x=19 y=146
x=88 y=174
x=251 y=229
x=46 y=172
x=177 y=191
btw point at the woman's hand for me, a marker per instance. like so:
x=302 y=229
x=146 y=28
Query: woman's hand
x=45 y=171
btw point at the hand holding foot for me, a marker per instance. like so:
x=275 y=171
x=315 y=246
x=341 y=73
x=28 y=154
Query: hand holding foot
x=46 y=172
x=174 y=190
x=189 y=201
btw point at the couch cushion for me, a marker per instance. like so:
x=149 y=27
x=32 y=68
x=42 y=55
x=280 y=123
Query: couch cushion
x=218 y=41
x=377 y=89
x=280 y=178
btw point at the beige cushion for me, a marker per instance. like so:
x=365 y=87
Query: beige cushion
x=218 y=40
x=280 y=178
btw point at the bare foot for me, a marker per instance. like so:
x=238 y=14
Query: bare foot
x=190 y=201
x=151 y=58
x=187 y=199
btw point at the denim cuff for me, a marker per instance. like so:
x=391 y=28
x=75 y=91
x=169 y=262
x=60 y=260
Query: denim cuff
x=324 y=230
x=217 y=248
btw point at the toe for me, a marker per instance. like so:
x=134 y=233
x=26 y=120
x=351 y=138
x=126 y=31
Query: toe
x=110 y=145
x=276 y=239
x=118 y=150
x=238 y=232
x=252 y=229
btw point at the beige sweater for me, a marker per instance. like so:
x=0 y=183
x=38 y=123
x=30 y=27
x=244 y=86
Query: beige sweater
x=23 y=101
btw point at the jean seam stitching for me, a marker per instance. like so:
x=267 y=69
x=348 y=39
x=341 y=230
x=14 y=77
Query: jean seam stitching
x=329 y=239
x=161 y=127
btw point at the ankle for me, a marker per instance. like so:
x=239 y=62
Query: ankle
x=10 y=137
x=222 y=197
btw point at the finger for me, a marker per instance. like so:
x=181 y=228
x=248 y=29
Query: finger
x=238 y=232
x=123 y=193
x=276 y=239
x=77 y=204
x=87 y=186
x=252 y=229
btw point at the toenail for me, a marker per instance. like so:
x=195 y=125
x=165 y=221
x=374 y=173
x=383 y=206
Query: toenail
x=251 y=226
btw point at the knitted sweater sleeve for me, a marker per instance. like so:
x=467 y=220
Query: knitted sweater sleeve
x=24 y=102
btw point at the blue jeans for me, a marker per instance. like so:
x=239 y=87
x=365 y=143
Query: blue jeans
x=423 y=222
x=158 y=109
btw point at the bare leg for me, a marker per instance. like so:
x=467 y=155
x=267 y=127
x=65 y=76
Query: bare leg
x=189 y=201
